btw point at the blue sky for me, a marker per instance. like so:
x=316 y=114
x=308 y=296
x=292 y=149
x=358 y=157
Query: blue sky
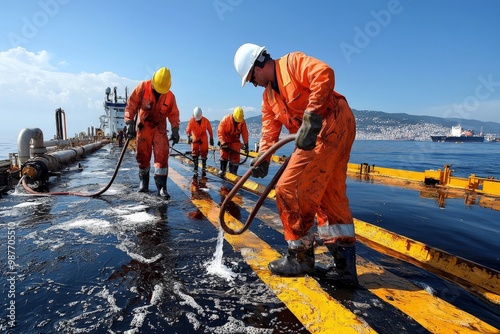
x=438 y=58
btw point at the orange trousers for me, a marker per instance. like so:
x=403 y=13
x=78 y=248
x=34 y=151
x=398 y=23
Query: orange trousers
x=199 y=148
x=153 y=140
x=232 y=155
x=314 y=182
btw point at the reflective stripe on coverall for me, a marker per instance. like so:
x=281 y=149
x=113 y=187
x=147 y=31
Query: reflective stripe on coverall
x=314 y=182
x=151 y=125
x=229 y=133
x=198 y=132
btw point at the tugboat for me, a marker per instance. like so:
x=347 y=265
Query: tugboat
x=459 y=135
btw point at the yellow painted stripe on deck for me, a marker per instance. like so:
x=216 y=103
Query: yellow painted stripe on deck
x=304 y=297
x=483 y=281
x=433 y=313
x=475 y=274
x=249 y=185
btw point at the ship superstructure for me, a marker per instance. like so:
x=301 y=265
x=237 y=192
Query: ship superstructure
x=114 y=105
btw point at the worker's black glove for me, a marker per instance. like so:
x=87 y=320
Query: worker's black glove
x=130 y=129
x=189 y=140
x=308 y=131
x=175 y=136
x=245 y=148
x=224 y=147
x=260 y=170
x=211 y=142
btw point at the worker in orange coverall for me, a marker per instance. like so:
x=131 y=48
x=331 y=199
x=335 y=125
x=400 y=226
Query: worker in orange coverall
x=231 y=127
x=196 y=130
x=299 y=94
x=154 y=102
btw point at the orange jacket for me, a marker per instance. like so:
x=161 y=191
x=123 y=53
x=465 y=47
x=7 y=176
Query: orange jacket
x=152 y=113
x=305 y=84
x=198 y=130
x=229 y=131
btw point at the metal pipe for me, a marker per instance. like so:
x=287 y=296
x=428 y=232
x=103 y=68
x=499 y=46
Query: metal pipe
x=39 y=167
x=57 y=143
x=27 y=136
x=65 y=135
x=30 y=144
x=58 y=124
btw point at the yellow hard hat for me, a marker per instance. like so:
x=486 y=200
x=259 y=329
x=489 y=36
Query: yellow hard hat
x=161 y=80
x=238 y=114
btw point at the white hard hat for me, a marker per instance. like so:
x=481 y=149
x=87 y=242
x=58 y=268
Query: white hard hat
x=197 y=113
x=244 y=59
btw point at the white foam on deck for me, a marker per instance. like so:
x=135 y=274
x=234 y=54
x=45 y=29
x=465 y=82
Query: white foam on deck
x=93 y=226
x=141 y=312
x=26 y=204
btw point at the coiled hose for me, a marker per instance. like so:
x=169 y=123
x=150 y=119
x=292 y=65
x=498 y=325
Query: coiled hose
x=245 y=177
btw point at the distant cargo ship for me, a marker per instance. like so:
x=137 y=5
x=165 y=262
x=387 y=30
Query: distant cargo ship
x=459 y=135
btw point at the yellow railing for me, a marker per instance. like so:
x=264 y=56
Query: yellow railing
x=441 y=177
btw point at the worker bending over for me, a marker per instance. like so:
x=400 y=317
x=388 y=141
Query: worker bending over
x=153 y=102
x=299 y=94
x=231 y=128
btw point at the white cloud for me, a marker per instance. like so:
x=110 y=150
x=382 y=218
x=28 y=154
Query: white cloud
x=20 y=58
x=32 y=88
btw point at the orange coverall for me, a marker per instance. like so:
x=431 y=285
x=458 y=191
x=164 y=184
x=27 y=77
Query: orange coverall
x=314 y=182
x=198 y=132
x=151 y=125
x=229 y=133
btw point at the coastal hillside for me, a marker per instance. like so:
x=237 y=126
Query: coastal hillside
x=378 y=125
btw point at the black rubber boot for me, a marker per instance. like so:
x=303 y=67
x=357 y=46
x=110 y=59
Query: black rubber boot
x=143 y=180
x=223 y=167
x=298 y=262
x=203 y=166
x=195 y=163
x=161 y=185
x=233 y=168
x=343 y=269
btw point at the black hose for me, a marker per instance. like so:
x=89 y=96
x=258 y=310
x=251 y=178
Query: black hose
x=185 y=156
x=100 y=192
x=263 y=196
x=244 y=160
